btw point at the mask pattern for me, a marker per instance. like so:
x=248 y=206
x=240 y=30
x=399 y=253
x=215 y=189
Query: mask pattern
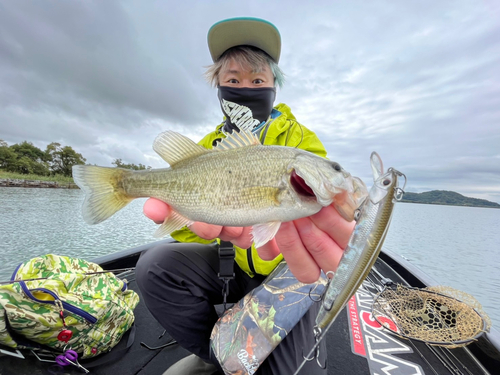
x=246 y=108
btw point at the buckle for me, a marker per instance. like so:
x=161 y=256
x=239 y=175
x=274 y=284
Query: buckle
x=226 y=260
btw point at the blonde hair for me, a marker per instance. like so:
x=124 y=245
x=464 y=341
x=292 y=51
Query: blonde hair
x=247 y=57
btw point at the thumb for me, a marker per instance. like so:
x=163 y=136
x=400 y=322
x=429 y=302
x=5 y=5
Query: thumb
x=156 y=210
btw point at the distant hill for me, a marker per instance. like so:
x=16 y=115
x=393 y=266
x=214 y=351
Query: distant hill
x=447 y=198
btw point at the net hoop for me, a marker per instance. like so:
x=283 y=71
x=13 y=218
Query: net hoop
x=439 y=316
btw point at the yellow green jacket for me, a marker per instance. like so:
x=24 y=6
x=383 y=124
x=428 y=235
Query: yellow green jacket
x=283 y=130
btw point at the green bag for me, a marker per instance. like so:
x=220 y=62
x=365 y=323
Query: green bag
x=69 y=307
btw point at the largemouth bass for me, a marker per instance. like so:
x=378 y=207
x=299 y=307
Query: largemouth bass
x=238 y=183
x=372 y=223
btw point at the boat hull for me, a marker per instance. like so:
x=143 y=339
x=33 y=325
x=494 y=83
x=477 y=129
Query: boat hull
x=356 y=344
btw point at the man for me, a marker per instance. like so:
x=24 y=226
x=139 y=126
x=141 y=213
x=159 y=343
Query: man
x=181 y=288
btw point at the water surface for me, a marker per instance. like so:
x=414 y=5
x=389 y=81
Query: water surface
x=457 y=246
x=40 y=221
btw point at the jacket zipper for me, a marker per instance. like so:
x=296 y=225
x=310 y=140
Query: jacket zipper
x=67 y=306
x=250 y=261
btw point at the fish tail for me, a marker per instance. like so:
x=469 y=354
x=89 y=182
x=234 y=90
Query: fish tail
x=104 y=193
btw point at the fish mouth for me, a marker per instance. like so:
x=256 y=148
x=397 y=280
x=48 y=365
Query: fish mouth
x=346 y=198
x=347 y=202
x=300 y=186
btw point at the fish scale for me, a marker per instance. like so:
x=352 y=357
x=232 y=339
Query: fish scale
x=190 y=190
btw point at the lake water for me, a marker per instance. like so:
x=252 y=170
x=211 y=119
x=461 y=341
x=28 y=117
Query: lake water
x=457 y=246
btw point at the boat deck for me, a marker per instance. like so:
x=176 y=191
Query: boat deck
x=356 y=345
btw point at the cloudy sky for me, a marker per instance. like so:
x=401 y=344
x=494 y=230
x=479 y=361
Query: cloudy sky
x=417 y=81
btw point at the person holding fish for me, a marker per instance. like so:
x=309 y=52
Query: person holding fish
x=245 y=53
x=181 y=286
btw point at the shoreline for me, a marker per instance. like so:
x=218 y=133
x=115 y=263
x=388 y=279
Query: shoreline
x=14 y=182
x=447 y=204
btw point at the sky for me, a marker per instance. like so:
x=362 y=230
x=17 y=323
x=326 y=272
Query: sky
x=416 y=81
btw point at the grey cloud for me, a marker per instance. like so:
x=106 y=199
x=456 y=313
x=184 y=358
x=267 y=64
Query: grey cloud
x=415 y=81
x=421 y=91
x=87 y=58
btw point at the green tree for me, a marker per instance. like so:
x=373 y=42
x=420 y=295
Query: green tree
x=25 y=165
x=61 y=159
x=24 y=158
x=7 y=155
x=120 y=164
x=30 y=151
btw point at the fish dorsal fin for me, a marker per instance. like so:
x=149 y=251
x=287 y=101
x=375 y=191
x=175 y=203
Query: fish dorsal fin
x=243 y=138
x=174 y=147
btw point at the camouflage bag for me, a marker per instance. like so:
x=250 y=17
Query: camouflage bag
x=247 y=333
x=71 y=305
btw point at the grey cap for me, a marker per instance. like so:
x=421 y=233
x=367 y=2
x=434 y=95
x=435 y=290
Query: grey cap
x=244 y=31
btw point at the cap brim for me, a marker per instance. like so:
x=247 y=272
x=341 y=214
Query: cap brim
x=244 y=31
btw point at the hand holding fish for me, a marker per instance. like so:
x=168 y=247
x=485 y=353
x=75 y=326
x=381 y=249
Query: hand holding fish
x=158 y=211
x=311 y=244
x=307 y=244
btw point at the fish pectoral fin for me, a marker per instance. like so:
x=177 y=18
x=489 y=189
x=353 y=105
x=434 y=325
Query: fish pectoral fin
x=263 y=233
x=174 y=147
x=174 y=222
x=243 y=138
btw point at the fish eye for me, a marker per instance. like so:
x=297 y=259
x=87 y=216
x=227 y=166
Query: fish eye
x=386 y=182
x=337 y=167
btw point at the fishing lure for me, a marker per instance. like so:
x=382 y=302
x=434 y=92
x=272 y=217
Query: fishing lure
x=372 y=222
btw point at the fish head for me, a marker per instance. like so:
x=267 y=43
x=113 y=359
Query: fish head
x=329 y=183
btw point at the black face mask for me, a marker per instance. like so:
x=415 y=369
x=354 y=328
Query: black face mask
x=246 y=108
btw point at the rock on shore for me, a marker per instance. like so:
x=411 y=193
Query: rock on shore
x=11 y=182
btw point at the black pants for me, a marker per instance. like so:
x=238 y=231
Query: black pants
x=180 y=287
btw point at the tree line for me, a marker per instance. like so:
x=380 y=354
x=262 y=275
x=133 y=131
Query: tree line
x=445 y=197
x=26 y=158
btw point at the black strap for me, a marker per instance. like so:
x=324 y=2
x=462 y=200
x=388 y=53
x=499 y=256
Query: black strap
x=226 y=267
x=226 y=260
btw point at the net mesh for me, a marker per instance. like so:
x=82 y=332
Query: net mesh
x=437 y=315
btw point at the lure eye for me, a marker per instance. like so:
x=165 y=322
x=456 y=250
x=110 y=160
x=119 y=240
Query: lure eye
x=357 y=214
x=337 y=167
x=386 y=182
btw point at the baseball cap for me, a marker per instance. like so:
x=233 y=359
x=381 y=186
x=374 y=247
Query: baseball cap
x=240 y=31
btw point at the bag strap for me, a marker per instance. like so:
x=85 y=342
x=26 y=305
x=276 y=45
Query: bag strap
x=226 y=267
x=226 y=260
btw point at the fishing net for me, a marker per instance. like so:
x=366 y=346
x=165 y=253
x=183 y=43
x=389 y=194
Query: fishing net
x=438 y=315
